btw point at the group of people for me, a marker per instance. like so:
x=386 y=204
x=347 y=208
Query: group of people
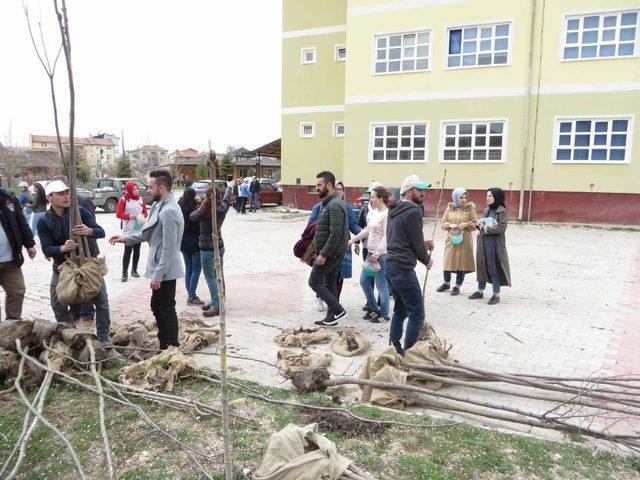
x=246 y=192
x=183 y=181
x=393 y=243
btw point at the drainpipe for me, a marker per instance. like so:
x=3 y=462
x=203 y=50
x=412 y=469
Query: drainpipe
x=527 y=117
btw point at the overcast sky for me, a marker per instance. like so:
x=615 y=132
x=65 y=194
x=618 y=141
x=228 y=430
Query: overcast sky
x=166 y=72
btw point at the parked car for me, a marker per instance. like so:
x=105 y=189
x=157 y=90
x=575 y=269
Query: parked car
x=269 y=194
x=109 y=190
x=84 y=195
x=363 y=199
x=200 y=186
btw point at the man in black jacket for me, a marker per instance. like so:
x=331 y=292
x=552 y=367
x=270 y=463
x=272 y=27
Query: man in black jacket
x=405 y=247
x=14 y=235
x=254 y=194
x=331 y=239
x=53 y=230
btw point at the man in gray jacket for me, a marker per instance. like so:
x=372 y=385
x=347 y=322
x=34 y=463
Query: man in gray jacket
x=163 y=231
x=331 y=239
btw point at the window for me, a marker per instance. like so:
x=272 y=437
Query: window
x=307 y=129
x=601 y=36
x=479 y=46
x=338 y=129
x=474 y=141
x=593 y=139
x=401 y=52
x=399 y=142
x=308 y=55
x=341 y=53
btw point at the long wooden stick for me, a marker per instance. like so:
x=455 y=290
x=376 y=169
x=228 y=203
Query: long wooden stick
x=433 y=234
x=103 y=428
x=226 y=440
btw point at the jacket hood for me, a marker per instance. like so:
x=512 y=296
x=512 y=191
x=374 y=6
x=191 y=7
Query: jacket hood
x=401 y=208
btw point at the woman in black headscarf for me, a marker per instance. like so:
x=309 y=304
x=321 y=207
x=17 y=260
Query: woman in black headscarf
x=492 y=259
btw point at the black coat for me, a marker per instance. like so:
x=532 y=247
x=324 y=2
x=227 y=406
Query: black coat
x=15 y=225
x=190 y=235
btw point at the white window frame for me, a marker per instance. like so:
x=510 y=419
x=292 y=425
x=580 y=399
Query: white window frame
x=630 y=117
x=474 y=121
x=306 y=124
x=303 y=56
x=374 y=50
x=484 y=24
x=335 y=129
x=337 y=48
x=601 y=13
x=400 y=124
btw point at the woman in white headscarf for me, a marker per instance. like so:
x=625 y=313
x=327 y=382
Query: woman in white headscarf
x=459 y=220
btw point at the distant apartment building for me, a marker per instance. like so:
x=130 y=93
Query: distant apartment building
x=184 y=162
x=147 y=157
x=100 y=153
x=539 y=98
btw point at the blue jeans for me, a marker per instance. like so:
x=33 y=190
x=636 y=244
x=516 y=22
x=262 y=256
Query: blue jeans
x=495 y=283
x=207 y=259
x=192 y=269
x=253 y=202
x=459 y=278
x=381 y=284
x=407 y=295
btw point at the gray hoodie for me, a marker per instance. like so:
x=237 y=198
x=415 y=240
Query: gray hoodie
x=405 y=240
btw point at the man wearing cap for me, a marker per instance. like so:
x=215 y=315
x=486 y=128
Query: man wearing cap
x=24 y=196
x=14 y=235
x=53 y=230
x=405 y=247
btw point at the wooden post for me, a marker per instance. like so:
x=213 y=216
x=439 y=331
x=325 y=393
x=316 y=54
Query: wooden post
x=226 y=440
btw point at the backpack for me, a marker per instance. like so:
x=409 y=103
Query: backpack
x=303 y=248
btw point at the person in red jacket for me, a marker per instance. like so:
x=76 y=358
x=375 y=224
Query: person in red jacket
x=132 y=211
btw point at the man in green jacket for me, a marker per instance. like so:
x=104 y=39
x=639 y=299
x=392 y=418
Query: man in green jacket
x=331 y=239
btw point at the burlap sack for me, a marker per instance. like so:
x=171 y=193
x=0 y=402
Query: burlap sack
x=160 y=371
x=350 y=343
x=391 y=398
x=301 y=337
x=58 y=357
x=10 y=330
x=8 y=364
x=291 y=362
x=78 y=284
x=296 y=453
x=376 y=363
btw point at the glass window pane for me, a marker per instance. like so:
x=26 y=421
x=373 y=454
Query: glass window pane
x=378 y=142
x=625 y=49
x=469 y=47
x=566 y=139
x=565 y=127
x=581 y=154
x=589 y=52
x=573 y=24
x=379 y=131
x=618 y=140
x=610 y=21
x=418 y=154
x=619 y=125
x=406 y=130
x=405 y=142
x=486 y=32
x=583 y=126
x=630 y=18
x=422 y=51
x=609 y=35
x=464 y=154
x=395 y=40
x=392 y=130
x=481 y=141
x=616 y=154
x=449 y=155
x=422 y=64
x=627 y=34
x=485 y=45
x=495 y=154
x=500 y=58
x=607 y=50
x=602 y=126
x=470 y=33
x=410 y=39
x=391 y=154
x=481 y=129
x=572 y=37
x=465 y=129
x=450 y=129
x=599 y=154
x=480 y=154
x=419 y=130
x=378 y=154
x=502 y=44
x=484 y=59
x=453 y=61
x=496 y=128
x=464 y=141
x=590 y=36
x=600 y=140
x=455 y=41
x=571 y=53
x=382 y=55
x=392 y=142
x=495 y=141
x=591 y=22
x=450 y=142
x=408 y=65
x=468 y=60
x=423 y=38
x=582 y=140
x=394 y=53
x=381 y=67
x=502 y=30
x=394 y=66
x=563 y=154
x=405 y=154
x=419 y=142
x=382 y=42
x=409 y=52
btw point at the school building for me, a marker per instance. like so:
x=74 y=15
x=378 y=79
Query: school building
x=538 y=97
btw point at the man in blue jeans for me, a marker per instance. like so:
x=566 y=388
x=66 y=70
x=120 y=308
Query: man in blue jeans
x=405 y=247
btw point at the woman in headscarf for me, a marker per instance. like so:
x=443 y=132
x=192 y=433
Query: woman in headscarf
x=491 y=255
x=459 y=220
x=132 y=211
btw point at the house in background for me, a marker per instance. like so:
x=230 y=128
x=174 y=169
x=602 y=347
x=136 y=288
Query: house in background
x=263 y=162
x=100 y=153
x=538 y=98
x=184 y=162
x=148 y=157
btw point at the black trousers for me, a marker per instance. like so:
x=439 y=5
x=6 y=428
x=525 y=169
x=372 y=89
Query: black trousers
x=163 y=306
x=243 y=204
x=127 y=257
x=324 y=281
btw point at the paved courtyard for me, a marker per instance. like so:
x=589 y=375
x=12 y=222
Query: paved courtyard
x=571 y=311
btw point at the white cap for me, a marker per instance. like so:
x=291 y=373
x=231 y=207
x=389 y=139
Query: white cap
x=373 y=185
x=56 y=186
x=413 y=181
x=23 y=184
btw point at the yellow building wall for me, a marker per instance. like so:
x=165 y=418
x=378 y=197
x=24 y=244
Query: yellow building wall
x=306 y=14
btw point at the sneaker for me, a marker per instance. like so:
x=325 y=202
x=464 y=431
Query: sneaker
x=124 y=278
x=194 y=301
x=106 y=343
x=206 y=307
x=320 y=307
x=212 y=312
x=476 y=295
x=365 y=308
x=443 y=288
x=135 y=274
x=328 y=321
x=380 y=319
x=455 y=291
x=342 y=313
x=371 y=314
x=493 y=300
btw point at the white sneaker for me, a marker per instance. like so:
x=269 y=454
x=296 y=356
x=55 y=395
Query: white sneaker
x=320 y=307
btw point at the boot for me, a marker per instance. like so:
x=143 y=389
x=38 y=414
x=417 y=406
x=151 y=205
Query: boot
x=135 y=274
x=125 y=277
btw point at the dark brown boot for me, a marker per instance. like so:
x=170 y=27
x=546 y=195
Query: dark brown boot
x=212 y=312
